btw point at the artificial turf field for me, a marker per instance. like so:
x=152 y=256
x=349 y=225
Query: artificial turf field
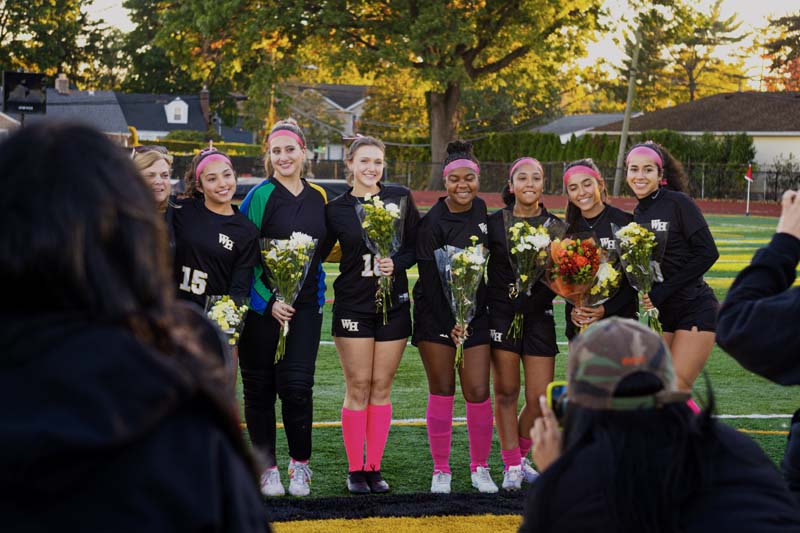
x=407 y=463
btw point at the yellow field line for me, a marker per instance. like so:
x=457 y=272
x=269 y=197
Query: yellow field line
x=763 y=432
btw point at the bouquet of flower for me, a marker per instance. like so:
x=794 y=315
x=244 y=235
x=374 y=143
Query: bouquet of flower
x=287 y=262
x=382 y=224
x=637 y=246
x=461 y=272
x=606 y=281
x=573 y=265
x=527 y=249
x=228 y=313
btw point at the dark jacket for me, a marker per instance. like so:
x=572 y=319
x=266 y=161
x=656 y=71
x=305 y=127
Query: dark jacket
x=746 y=492
x=101 y=433
x=757 y=323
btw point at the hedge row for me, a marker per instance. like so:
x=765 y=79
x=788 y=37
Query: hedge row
x=729 y=149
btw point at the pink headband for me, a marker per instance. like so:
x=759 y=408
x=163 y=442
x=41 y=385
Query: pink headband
x=581 y=169
x=525 y=161
x=648 y=152
x=207 y=161
x=458 y=163
x=288 y=133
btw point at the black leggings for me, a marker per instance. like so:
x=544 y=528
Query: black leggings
x=292 y=379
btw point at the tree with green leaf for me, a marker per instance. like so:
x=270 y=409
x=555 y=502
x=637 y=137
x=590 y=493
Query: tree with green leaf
x=449 y=45
x=697 y=36
x=150 y=69
x=48 y=36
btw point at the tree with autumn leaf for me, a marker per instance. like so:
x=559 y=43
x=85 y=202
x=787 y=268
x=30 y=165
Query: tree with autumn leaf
x=49 y=36
x=449 y=45
x=783 y=53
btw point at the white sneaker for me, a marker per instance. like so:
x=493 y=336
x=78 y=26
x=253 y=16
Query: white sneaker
x=512 y=478
x=482 y=480
x=299 y=479
x=440 y=484
x=271 y=483
x=528 y=472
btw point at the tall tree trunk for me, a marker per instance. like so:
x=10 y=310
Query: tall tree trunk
x=442 y=109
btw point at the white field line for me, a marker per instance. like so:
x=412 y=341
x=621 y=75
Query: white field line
x=460 y=421
x=331 y=343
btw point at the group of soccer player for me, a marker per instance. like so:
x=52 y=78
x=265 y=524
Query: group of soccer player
x=216 y=251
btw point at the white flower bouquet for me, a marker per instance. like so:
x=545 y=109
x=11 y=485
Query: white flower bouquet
x=461 y=272
x=382 y=225
x=228 y=313
x=287 y=262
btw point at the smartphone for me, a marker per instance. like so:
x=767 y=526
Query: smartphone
x=557 y=397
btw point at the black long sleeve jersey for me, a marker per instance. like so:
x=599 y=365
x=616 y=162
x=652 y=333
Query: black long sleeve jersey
x=277 y=213
x=625 y=302
x=690 y=250
x=355 y=287
x=214 y=254
x=440 y=227
x=500 y=272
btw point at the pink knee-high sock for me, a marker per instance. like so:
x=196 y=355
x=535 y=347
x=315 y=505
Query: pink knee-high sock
x=525 y=446
x=379 y=419
x=693 y=406
x=511 y=457
x=354 y=433
x=439 y=416
x=479 y=428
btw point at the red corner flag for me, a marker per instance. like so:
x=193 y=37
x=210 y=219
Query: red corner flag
x=749 y=175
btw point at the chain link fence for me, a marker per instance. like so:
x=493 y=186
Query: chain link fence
x=705 y=181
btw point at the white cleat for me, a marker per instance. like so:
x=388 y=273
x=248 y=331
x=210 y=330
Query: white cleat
x=271 y=483
x=440 y=483
x=299 y=479
x=528 y=472
x=512 y=478
x=482 y=480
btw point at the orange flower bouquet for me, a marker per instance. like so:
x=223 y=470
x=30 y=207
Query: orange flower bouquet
x=573 y=265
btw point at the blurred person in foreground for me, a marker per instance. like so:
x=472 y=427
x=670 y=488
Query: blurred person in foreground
x=115 y=408
x=634 y=457
x=757 y=321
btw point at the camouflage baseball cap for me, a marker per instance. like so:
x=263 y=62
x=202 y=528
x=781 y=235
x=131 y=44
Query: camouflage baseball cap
x=608 y=352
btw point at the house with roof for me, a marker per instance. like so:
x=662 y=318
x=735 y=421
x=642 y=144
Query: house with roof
x=343 y=102
x=772 y=119
x=577 y=125
x=98 y=109
x=114 y=113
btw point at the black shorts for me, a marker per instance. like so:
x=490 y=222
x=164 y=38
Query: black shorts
x=538 y=330
x=676 y=314
x=425 y=330
x=354 y=325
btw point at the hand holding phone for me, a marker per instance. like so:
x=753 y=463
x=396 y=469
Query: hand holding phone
x=556 y=398
x=546 y=437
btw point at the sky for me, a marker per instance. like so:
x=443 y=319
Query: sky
x=754 y=15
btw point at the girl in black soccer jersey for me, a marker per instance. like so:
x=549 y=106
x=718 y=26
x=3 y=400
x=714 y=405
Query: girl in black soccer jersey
x=280 y=205
x=453 y=220
x=687 y=305
x=216 y=246
x=369 y=351
x=587 y=211
x=536 y=348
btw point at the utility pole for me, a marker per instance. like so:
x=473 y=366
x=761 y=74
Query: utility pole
x=623 y=138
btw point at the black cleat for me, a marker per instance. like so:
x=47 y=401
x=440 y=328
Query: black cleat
x=357 y=483
x=376 y=482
